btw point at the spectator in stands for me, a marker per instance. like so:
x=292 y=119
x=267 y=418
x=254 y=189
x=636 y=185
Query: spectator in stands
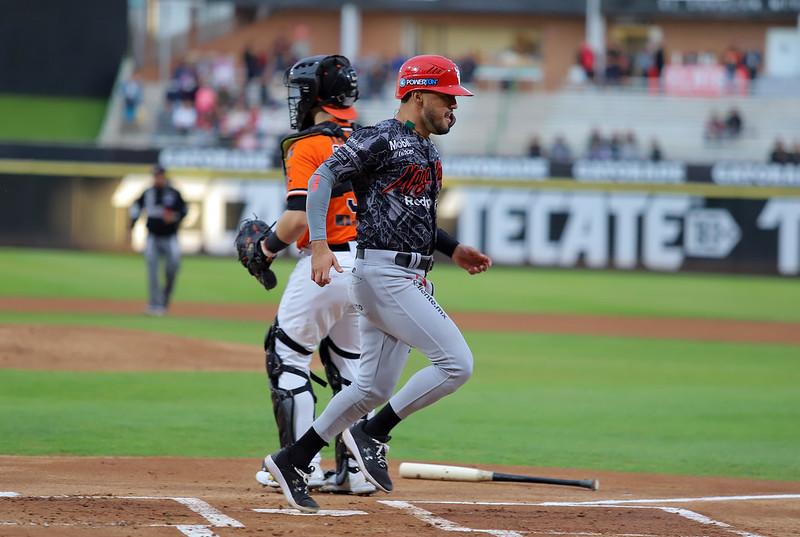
x=615 y=146
x=132 y=93
x=598 y=148
x=560 y=151
x=733 y=124
x=796 y=153
x=586 y=60
x=752 y=62
x=715 y=127
x=615 y=65
x=252 y=64
x=658 y=60
x=183 y=84
x=184 y=117
x=629 y=149
x=205 y=104
x=730 y=60
x=281 y=55
x=535 y=148
x=656 y=155
x=378 y=75
x=467 y=65
x=779 y=154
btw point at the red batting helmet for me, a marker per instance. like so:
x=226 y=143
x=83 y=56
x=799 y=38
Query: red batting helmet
x=430 y=72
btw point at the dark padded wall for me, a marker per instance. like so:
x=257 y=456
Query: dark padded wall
x=61 y=47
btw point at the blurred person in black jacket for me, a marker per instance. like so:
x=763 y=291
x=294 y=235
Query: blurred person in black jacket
x=165 y=209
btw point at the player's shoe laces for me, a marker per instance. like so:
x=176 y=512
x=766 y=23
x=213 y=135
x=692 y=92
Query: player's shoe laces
x=292 y=480
x=370 y=454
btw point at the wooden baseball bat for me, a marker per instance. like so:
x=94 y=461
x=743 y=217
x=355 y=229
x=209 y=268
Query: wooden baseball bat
x=414 y=470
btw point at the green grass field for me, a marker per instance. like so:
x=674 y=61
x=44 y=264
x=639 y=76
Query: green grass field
x=50 y=119
x=48 y=273
x=698 y=408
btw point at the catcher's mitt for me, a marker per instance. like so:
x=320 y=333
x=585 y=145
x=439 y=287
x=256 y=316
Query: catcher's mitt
x=247 y=243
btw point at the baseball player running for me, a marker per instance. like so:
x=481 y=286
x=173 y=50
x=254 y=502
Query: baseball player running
x=396 y=174
x=165 y=209
x=322 y=90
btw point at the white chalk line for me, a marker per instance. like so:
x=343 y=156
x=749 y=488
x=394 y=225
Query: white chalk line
x=447 y=525
x=195 y=530
x=765 y=497
x=8 y=494
x=443 y=523
x=215 y=517
x=702 y=519
x=321 y=512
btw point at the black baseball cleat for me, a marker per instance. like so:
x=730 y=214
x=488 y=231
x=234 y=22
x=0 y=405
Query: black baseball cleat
x=292 y=480
x=370 y=454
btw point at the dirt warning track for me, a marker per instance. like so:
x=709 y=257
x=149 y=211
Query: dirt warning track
x=596 y=325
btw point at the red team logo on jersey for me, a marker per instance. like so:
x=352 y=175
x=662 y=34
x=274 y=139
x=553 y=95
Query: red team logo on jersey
x=414 y=180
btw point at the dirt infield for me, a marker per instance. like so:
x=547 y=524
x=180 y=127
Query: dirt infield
x=170 y=497
x=662 y=328
x=154 y=497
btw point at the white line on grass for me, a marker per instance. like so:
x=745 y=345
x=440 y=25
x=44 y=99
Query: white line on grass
x=321 y=512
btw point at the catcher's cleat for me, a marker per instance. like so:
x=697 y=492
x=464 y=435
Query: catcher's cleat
x=370 y=454
x=354 y=482
x=292 y=480
x=265 y=478
x=316 y=477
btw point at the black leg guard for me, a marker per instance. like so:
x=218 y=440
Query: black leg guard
x=282 y=399
x=337 y=382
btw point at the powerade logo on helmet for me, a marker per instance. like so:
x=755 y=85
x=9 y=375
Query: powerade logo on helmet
x=418 y=82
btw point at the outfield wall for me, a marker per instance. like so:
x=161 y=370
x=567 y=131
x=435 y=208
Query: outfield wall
x=742 y=218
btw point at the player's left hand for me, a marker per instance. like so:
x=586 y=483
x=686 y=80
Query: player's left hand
x=471 y=259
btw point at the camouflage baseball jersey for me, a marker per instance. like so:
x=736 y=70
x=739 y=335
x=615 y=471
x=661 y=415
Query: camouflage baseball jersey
x=396 y=175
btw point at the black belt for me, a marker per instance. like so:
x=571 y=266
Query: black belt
x=406 y=260
x=343 y=247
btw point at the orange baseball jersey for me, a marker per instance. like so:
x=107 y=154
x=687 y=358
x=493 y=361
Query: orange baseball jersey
x=303 y=154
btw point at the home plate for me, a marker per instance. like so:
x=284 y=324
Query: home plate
x=321 y=512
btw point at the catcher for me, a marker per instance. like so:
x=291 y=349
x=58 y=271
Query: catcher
x=322 y=90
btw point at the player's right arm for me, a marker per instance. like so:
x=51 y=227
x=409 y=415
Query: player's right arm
x=361 y=154
x=320 y=187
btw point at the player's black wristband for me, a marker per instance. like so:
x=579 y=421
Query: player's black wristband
x=445 y=243
x=274 y=244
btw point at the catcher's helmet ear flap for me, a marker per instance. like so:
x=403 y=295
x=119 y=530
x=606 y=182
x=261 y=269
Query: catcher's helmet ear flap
x=328 y=81
x=430 y=72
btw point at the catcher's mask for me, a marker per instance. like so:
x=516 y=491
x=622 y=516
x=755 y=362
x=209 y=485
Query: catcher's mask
x=328 y=82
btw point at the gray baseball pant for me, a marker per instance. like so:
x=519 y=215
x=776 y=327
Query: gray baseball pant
x=156 y=248
x=398 y=312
